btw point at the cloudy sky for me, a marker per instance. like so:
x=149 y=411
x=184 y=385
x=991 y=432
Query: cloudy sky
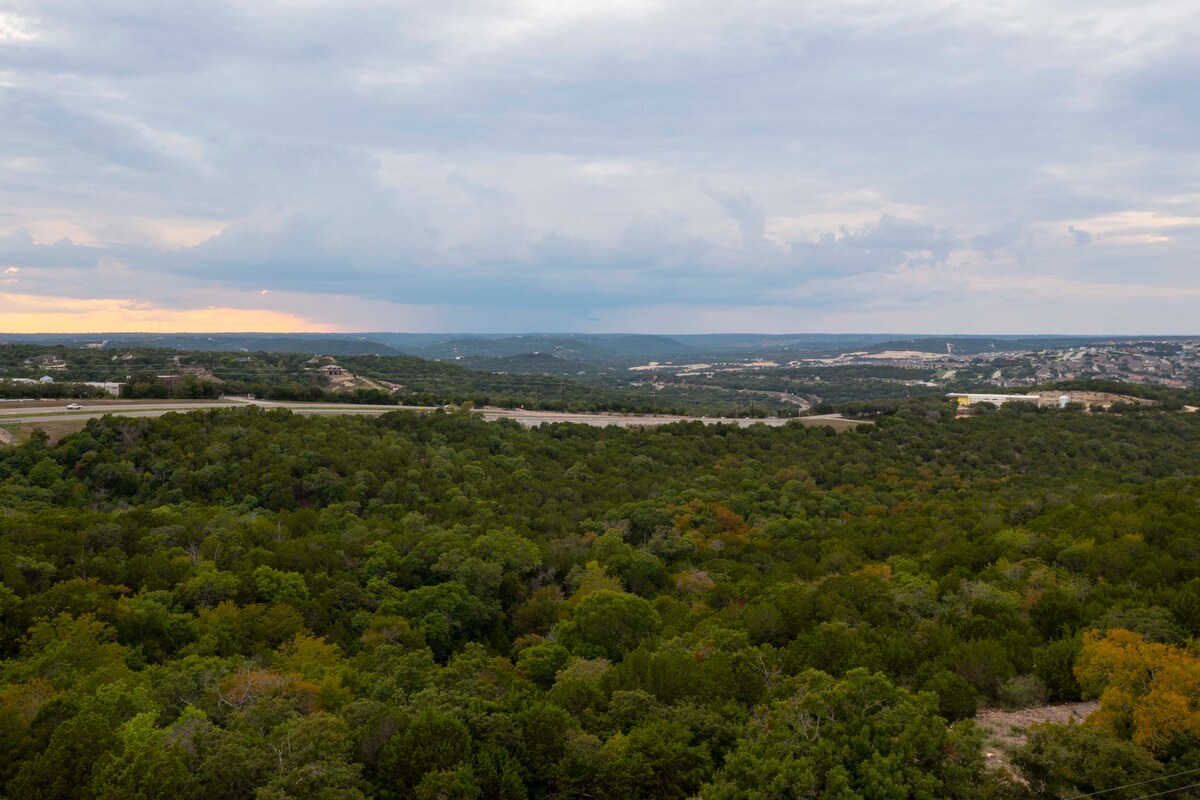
x=600 y=165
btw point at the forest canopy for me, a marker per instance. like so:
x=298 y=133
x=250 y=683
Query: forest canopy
x=250 y=603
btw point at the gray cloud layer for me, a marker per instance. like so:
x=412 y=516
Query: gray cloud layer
x=868 y=164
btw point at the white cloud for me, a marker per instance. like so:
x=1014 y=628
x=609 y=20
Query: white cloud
x=546 y=161
x=15 y=29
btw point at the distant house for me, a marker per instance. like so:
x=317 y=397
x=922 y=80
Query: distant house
x=45 y=379
x=334 y=371
x=48 y=361
x=170 y=381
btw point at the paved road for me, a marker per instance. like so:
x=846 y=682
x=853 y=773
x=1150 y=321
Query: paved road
x=58 y=413
x=532 y=418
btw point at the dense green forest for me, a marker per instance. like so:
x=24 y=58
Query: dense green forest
x=254 y=604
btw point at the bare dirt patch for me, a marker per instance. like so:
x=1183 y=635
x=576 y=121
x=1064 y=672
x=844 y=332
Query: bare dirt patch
x=55 y=429
x=835 y=421
x=1006 y=731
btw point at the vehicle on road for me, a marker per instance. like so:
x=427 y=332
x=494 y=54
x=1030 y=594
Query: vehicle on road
x=74 y=407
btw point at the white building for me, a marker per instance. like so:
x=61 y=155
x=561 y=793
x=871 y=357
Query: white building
x=109 y=387
x=967 y=399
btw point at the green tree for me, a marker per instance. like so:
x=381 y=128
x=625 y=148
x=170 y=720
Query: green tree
x=81 y=741
x=275 y=586
x=541 y=662
x=609 y=624
x=1070 y=760
x=855 y=737
x=314 y=761
x=432 y=742
x=145 y=765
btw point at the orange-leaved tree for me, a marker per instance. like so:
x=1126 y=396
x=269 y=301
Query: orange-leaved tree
x=1149 y=692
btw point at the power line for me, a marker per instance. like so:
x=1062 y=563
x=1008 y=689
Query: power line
x=1140 y=783
x=1168 y=791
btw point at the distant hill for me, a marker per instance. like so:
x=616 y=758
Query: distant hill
x=585 y=348
x=323 y=344
x=529 y=364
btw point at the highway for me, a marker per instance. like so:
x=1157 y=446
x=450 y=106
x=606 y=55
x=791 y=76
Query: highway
x=58 y=412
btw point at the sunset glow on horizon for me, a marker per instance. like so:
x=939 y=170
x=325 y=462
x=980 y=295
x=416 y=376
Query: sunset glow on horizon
x=22 y=313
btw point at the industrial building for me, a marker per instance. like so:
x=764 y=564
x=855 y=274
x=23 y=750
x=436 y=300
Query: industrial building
x=110 y=387
x=967 y=399
x=1051 y=399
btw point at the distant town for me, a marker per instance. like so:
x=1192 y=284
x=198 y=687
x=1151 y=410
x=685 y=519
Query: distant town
x=1172 y=363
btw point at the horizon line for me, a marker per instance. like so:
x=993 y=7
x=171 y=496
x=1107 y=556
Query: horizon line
x=342 y=334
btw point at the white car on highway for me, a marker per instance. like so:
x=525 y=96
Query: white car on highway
x=74 y=407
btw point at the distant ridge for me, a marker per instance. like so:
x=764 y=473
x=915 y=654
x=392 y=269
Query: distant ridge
x=325 y=344
x=574 y=350
x=574 y=347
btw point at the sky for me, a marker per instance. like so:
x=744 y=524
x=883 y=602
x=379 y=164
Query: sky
x=670 y=166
